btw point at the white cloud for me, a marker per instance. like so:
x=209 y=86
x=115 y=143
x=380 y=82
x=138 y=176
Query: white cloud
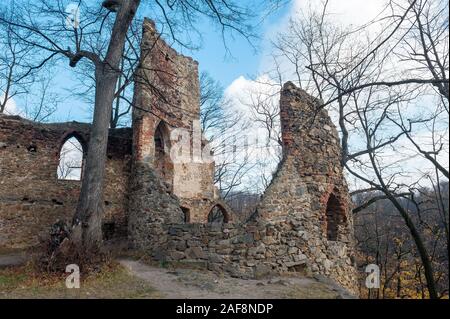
x=245 y=96
x=253 y=144
x=241 y=89
x=348 y=13
x=11 y=107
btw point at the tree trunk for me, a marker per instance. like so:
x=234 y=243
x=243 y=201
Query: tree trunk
x=423 y=253
x=90 y=207
x=421 y=249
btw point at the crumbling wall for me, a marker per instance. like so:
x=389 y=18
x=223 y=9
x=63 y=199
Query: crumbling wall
x=167 y=91
x=309 y=189
x=31 y=196
x=289 y=230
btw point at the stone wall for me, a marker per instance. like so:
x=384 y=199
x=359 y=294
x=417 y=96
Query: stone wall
x=31 y=196
x=166 y=97
x=303 y=223
x=167 y=93
x=257 y=249
x=309 y=189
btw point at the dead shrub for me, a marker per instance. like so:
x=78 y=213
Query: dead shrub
x=58 y=250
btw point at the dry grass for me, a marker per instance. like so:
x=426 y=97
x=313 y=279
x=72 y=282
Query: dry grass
x=312 y=291
x=9 y=251
x=112 y=281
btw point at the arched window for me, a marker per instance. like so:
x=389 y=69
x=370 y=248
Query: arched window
x=163 y=163
x=334 y=217
x=218 y=215
x=71 y=158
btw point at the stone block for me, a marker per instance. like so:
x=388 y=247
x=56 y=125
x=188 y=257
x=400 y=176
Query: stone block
x=195 y=253
x=176 y=255
x=262 y=270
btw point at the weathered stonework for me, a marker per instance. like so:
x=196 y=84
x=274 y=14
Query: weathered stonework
x=302 y=224
x=167 y=94
x=31 y=196
x=167 y=97
x=309 y=189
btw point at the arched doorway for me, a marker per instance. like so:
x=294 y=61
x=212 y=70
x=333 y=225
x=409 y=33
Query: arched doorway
x=334 y=216
x=218 y=215
x=186 y=214
x=162 y=162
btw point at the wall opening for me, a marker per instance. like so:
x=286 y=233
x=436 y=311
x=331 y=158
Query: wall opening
x=334 y=217
x=186 y=214
x=71 y=159
x=218 y=215
x=108 y=230
x=163 y=164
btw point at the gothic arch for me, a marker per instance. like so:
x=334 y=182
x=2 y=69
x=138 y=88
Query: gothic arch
x=71 y=157
x=73 y=134
x=162 y=137
x=218 y=214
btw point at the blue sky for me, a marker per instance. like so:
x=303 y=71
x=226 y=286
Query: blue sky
x=234 y=73
x=245 y=61
x=242 y=60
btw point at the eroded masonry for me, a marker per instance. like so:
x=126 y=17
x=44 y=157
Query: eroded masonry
x=171 y=210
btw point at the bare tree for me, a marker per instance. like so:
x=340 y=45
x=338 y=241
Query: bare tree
x=15 y=72
x=85 y=90
x=20 y=81
x=371 y=84
x=265 y=111
x=224 y=128
x=41 y=103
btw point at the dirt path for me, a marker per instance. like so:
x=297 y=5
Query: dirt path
x=197 y=284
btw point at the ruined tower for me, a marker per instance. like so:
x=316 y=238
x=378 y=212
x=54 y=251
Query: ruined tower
x=309 y=189
x=166 y=187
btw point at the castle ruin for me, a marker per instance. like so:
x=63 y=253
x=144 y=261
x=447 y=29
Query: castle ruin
x=303 y=223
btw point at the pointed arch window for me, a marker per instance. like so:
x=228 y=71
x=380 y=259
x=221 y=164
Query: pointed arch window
x=218 y=215
x=71 y=159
